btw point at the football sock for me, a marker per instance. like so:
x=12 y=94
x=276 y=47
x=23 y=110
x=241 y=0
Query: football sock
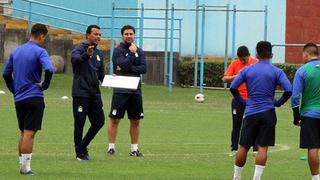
x=237 y=171
x=315 y=177
x=111 y=146
x=26 y=162
x=134 y=147
x=258 y=172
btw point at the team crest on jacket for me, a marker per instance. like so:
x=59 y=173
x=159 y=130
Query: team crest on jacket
x=80 y=109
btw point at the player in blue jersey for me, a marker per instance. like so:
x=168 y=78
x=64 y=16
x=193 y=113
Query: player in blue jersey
x=260 y=119
x=306 y=85
x=22 y=75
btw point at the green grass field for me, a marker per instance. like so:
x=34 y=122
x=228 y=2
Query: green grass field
x=181 y=139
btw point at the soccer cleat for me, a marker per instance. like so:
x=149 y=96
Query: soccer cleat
x=30 y=173
x=82 y=157
x=136 y=153
x=111 y=152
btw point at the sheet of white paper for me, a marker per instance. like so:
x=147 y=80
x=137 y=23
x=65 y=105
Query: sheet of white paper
x=126 y=82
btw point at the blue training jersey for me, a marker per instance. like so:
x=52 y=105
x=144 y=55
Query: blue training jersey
x=262 y=80
x=26 y=62
x=299 y=84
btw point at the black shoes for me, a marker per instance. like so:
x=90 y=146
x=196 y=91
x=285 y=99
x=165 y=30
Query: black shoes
x=111 y=152
x=136 y=153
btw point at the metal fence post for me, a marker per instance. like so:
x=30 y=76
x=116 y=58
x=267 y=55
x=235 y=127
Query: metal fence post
x=226 y=43
x=141 y=32
x=165 y=64
x=180 y=37
x=265 y=22
x=202 y=48
x=141 y=26
x=234 y=23
x=111 y=40
x=171 y=48
x=29 y=18
x=195 y=79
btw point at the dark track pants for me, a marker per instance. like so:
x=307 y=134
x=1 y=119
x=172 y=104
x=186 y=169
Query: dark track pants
x=93 y=108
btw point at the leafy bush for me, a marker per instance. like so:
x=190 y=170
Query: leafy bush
x=213 y=73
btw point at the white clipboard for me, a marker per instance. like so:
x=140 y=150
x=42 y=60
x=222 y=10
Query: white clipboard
x=125 y=82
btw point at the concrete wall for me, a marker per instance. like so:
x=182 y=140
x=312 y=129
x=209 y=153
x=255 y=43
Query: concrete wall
x=301 y=27
x=11 y=38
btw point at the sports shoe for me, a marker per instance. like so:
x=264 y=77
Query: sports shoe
x=30 y=173
x=233 y=153
x=86 y=154
x=82 y=157
x=111 y=152
x=136 y=153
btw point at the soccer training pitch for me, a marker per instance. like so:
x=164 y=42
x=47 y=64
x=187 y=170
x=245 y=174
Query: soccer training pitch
x=180 y=139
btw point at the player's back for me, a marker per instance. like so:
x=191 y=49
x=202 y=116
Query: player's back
x=262 y=79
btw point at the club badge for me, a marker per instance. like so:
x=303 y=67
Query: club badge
x=80 y=109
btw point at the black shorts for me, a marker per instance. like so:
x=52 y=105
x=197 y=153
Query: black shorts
x=132 y=103
x=259 y=129
x=29 y=113
x=310 y=133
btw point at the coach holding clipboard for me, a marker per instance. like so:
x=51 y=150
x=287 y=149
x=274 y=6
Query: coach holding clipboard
x=128 y=60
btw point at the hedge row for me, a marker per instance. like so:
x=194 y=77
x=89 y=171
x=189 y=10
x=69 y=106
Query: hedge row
x=213 y=73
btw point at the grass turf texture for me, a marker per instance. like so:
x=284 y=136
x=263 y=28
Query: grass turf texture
x=181 y=139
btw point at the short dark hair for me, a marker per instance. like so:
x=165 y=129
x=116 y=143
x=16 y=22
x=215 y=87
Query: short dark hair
x=38 y=30
x=311 y=49
x=90 y=27
x=243 y=51
x=127 y=27
x=264 y=50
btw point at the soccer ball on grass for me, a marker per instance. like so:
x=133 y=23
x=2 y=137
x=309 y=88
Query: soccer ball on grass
x=199 y=98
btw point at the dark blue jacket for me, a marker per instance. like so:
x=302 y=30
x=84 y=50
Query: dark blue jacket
x=129 y=64
x=87 y=71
